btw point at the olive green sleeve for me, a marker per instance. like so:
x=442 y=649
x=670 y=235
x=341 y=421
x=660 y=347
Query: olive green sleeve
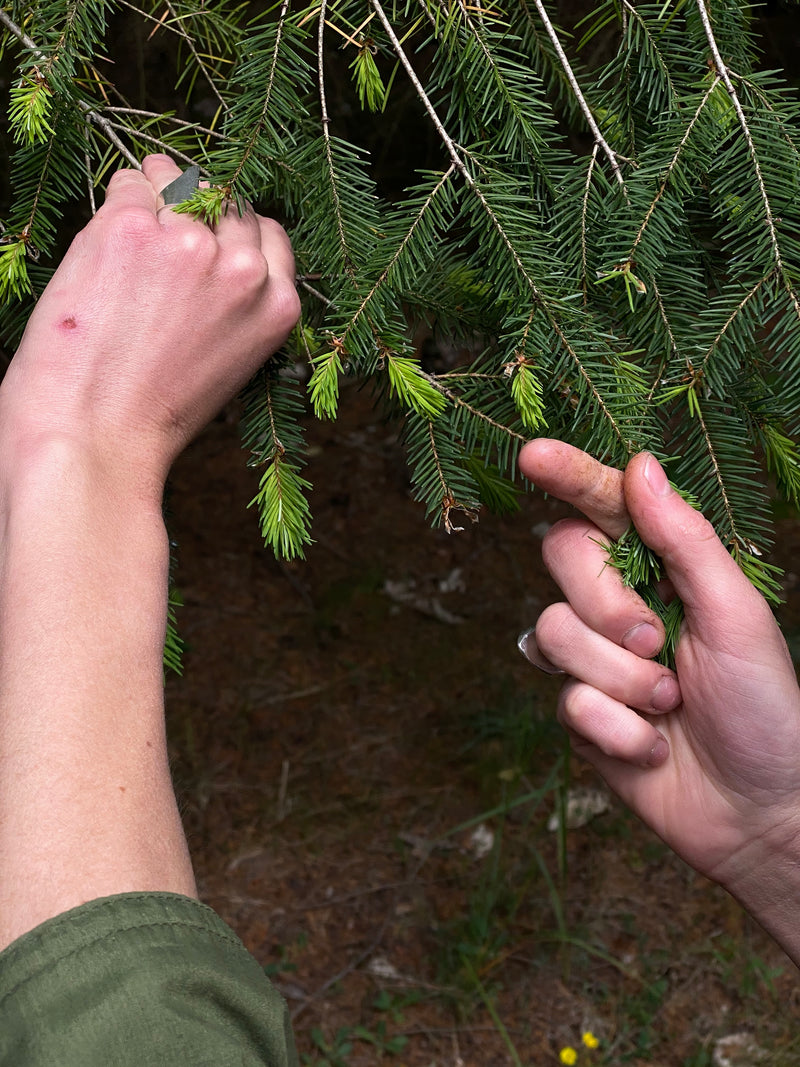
x=139 y=980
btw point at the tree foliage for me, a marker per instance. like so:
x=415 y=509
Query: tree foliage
x=615 y=251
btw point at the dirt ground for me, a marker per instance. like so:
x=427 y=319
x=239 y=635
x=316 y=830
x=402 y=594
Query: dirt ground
x=338 y=723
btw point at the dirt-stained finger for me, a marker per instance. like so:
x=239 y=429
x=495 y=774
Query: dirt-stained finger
x=574 y=477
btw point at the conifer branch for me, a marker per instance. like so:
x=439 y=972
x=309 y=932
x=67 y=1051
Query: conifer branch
x=107 y=129
x=42 y=179
x=137 y=112
x=734 y=315
x=326 y=133
x=89 y=182
x=672 y=164
x=445 y=492
x=258 y=125
x=93 y=116
x=423 y=96
x=175 y=27
x=157 y=142
x=767 y=103
x=722 y=71
x=448 y=502
x=612 y=156
x=629 y=9
x=476 y=189
x=381 y=279
x=584 y=213
x=459 y=402
x=662 y=312
x=735 y=539
x=314 y=292
x=197 y=57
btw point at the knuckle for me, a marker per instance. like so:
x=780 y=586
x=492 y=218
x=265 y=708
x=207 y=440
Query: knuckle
x=135 y=226
x=245 y=267
x=124 y=176
x=193 y=242
x=285 y=306
x=555 y=629
x=563 y=538
x=577 y=708
x=274 y=229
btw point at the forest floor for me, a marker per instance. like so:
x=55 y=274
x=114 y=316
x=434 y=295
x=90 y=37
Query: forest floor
x=367 y=769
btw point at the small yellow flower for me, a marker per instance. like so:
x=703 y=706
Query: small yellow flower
x=589 y=1039
x=568 y=1055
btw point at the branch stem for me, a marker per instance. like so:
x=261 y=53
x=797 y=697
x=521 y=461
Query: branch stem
x=608 y=151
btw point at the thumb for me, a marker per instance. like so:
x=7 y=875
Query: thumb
x=720 y=603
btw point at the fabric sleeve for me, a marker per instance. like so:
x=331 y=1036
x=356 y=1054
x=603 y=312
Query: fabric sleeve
x=139 y=980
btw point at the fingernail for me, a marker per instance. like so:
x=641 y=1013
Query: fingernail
x=643 y=640
x=666 y=695
x=656 y=478
x=526 y=643
x=659 y=752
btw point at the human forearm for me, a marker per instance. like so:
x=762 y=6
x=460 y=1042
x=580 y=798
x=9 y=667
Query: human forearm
x=83 y=566
x=151 y=323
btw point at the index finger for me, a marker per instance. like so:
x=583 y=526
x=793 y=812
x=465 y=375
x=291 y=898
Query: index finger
x=129 y=189
x=574 y=477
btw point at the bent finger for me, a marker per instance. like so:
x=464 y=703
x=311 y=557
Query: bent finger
x=160 y=171
x=576 y=478
x=129 y=189
x=567 y=642
x=238 y=225
x=578 y=561
x=598 y=721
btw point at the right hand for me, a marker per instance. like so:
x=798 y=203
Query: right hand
x=714 y=767
x=152 y=322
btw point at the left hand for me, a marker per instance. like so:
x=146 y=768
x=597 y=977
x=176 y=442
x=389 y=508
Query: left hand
x=151 y=323
x=710 y=757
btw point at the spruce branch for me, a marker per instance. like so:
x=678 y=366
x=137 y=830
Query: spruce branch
x=769 y=217
x=174 y=120
x=584 y=212
x=491 y=214
x=259 y=124
x=734 y=315
x=449 y=503
x=159 y=143
x=733 y=539
x=398 y=252
x=612 y=156
x=662 y=312
x=326 y=133
x=629 y=10
x=178 y=28
x=91 y=115
x=457 y=401
x=89 y=182
x=672 y=164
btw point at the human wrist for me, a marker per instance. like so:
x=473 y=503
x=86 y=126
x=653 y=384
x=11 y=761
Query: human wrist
x=764 y=876
x=35 y=451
